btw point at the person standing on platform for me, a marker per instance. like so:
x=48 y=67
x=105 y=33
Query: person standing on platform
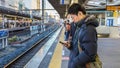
x=67 y=30
x=85 y=37
x=72 y=28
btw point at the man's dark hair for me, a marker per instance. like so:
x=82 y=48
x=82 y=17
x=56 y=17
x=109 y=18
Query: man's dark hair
x=75 y=8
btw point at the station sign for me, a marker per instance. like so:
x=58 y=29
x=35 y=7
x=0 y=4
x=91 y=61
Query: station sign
x=34 y=27
x=112 y=8
x=4 y=33
x=64 y=2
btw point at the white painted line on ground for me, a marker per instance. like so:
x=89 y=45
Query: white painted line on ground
x=63 y=52
x=37 y=59
x=50 y=53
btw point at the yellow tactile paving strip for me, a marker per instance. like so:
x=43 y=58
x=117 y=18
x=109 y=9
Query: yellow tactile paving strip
x=57 y=56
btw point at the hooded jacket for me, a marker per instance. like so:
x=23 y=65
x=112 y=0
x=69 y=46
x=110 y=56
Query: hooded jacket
x=86 y=35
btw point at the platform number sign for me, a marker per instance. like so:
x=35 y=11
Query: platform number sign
x=64 y=2
x=3 y=33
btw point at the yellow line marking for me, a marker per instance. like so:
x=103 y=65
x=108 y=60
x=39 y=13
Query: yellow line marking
x=57 y=56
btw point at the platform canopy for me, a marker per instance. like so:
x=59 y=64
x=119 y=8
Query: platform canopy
x=89 y=5
x=9 y=11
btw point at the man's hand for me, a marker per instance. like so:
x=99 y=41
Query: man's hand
x=66 y=44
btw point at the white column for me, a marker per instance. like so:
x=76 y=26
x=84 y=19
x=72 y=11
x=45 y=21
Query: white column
x=6 y=40
x=3 y=22
x=3 y=43
x=100 y=19
x=105 y=18
x=74 y=1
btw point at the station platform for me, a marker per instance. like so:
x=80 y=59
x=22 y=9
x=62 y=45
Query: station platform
x=17 y=28
x=58 y=56
x=54 y=55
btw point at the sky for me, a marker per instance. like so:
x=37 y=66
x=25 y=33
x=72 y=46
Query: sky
x=49 y=6
x=28 y=4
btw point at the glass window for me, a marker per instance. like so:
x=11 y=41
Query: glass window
x=119 y=13
x=102 y=21
x=109 y=14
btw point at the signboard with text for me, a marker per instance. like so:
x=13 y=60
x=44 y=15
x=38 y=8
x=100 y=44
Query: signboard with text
x=34 y=27
x=112 y=8
x=3 y=33
x=64 y=2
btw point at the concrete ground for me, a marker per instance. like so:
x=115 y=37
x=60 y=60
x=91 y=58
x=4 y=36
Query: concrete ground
x=109 y=52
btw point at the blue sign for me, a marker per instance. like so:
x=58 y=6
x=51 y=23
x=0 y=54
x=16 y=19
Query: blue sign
x=109 y=22
x=34 y=27
x=64 y=2
x=4 y=33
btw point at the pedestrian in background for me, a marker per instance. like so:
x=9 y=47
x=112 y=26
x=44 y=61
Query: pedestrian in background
x=67 y=30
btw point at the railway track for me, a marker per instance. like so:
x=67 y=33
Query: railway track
x=20 y=33
x=21 y=60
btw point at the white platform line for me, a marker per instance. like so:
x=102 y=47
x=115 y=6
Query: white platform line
x=36 y=60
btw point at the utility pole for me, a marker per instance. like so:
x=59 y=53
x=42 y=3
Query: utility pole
x=3 y=21
x=38 y=4
x=42 y=11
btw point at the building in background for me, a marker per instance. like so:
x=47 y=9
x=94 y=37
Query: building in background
x=2 y=2
x=13 y=4
x=9 y=3
x=38 y=4
x=30 y=4
x=32 y=7
x=50 y=13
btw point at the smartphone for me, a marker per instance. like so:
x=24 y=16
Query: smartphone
x=61 y=42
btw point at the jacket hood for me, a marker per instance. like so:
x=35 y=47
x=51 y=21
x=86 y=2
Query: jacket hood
x=91 y=20
x=88 y=20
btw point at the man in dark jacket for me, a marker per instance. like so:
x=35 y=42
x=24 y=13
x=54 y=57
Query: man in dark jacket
x=85 y=34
